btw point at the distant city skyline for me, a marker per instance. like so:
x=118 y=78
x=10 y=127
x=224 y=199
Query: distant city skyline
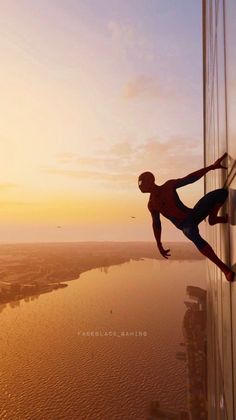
x=93 y=94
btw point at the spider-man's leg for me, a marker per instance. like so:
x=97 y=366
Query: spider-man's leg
x=192 y=232
x=209 y=205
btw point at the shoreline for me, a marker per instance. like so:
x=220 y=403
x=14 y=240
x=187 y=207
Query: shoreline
x=30 y=270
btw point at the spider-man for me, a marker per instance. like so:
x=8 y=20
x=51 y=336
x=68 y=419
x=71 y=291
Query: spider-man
x=165 y=200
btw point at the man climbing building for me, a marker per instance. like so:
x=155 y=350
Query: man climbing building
x=165 y=200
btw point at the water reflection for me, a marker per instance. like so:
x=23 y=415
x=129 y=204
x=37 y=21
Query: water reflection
x=195 y=356
x=52 y=372
x=156 y=412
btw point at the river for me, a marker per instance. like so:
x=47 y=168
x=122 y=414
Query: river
x=102 y=348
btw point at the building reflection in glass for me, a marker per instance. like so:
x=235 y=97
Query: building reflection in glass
x=195 y=356
x=219 y=94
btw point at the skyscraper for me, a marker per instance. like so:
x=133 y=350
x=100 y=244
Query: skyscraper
x=219 y=83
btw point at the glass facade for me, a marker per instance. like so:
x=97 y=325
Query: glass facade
x=219 y=75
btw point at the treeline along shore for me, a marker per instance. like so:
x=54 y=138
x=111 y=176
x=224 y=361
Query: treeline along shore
x=32 y=269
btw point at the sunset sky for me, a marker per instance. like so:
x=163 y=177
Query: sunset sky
x=94 y=92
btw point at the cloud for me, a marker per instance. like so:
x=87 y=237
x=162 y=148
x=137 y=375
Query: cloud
x=122 y=149
x=170 y=159
x=104 y=177
x=122 y=33
x=142 y=86
x=65 y=157
x=123 y=162
x=128 y=41
x=12 y=204
x=7 y=186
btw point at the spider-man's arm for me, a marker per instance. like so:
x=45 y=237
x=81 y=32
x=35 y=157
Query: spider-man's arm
x=156 y=225
x=195 y=176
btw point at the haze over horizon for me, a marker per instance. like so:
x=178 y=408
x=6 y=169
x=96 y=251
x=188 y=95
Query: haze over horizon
x=93 y=94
